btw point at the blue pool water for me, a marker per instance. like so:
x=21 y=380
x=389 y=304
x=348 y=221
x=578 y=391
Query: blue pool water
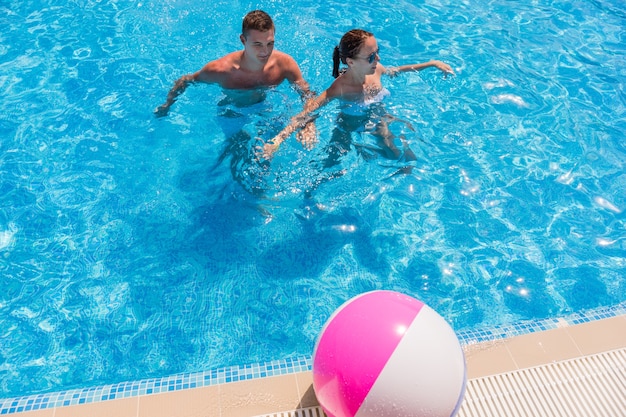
x=128 y=251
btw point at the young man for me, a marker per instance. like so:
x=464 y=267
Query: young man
x=257 y=65
x=245 y=76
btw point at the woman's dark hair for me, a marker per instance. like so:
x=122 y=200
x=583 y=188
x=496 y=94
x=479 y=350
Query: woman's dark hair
x=348 y=47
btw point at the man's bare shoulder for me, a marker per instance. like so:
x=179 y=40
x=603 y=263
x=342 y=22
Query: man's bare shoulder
x=288 y=68
x=284 y=59
x=225 y=64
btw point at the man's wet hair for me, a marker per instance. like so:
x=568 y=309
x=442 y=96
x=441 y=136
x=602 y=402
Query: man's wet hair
x=256 y=20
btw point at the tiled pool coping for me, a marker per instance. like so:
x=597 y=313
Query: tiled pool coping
x=274 y=368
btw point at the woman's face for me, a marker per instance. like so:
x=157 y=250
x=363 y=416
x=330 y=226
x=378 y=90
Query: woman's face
x=367 y=58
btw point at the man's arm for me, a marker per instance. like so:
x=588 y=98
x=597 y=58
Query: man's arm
x=291 y=71
x=210 y=73
x=307 y=135
x=179 y=87
x=298 y=123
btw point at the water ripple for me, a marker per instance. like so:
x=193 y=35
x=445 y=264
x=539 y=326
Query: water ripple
x=127 y=247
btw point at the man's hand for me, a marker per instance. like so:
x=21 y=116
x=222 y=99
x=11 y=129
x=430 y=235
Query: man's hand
x=307 y=136
x=162 y=110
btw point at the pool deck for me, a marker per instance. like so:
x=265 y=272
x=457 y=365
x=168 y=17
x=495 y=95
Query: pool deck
x=285 y=393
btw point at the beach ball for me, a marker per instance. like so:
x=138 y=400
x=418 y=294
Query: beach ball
x=383 y=353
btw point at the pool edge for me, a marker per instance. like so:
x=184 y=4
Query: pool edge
x=489 y=341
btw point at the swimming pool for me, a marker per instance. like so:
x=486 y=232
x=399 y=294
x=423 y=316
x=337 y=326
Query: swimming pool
x=126 y=253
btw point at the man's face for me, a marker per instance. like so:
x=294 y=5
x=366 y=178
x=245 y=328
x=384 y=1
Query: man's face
x=259 y=44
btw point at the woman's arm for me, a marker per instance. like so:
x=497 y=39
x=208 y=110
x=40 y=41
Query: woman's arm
x=298 y=122
x=442 y=66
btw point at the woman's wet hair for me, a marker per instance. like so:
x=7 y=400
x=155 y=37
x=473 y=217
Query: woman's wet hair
x=256 y=20
x=348 y=47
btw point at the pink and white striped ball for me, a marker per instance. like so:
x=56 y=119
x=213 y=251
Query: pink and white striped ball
x=385 y=354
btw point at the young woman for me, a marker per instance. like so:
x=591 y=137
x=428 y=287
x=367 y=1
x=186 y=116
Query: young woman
x=360 y=88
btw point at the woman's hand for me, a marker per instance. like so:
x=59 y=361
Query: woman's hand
x=442 y=66
x=268 y=150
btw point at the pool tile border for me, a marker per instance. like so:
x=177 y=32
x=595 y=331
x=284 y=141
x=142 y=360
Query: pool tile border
x=273 y=368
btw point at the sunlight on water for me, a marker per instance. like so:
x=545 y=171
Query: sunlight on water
x=135 y=247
